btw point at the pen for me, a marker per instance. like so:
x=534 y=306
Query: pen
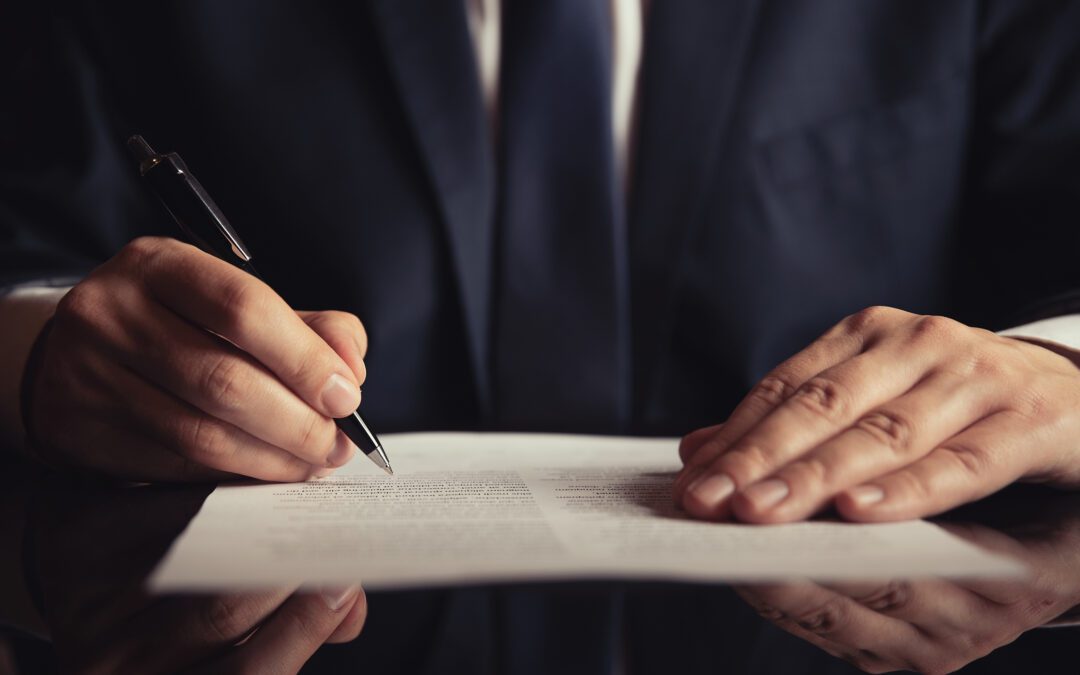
x=204 y=224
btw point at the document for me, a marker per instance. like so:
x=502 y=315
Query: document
x=485 y=508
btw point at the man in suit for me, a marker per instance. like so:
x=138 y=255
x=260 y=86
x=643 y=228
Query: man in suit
x=548 y=222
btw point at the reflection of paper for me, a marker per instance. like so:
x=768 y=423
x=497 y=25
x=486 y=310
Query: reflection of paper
x=499 y=507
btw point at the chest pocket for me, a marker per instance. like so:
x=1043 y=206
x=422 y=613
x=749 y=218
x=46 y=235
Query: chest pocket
x=859 y=138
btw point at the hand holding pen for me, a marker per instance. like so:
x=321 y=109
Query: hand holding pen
x=168 y=363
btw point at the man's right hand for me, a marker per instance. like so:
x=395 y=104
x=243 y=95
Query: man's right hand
x=166 y=363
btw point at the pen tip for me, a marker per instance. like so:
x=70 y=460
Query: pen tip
x=378 y=455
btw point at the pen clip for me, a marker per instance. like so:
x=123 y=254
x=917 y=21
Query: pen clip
x=150 y=164
x=223 y=226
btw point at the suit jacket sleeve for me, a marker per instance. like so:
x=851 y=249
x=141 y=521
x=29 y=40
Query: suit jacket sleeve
x=1023 y=206
x=68 y=197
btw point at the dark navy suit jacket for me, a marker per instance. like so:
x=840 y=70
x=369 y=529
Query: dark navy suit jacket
x=795 y=161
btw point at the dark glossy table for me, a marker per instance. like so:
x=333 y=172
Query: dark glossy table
x=87 y=547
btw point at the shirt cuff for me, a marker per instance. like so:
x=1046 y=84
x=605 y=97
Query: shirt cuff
x=1061 y=330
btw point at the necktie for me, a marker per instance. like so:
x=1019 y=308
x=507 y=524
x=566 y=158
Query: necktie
x=560 y=322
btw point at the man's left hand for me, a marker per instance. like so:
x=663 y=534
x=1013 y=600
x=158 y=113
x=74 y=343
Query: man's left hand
x=889 y=416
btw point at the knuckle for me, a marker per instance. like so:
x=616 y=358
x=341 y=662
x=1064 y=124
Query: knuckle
x=889 y=428
x=935 y=328
x=239 y=299
x=810 y=471
x=773 y=389
x=864 y=320
x=226 y=620
x=208 y=441
x=913 y=485
x=970 y=460
x=707 y=452
x=140 y=249
x=227 y=383
x=768 y=612
x=823 y=619
x=315 y=434
x=190 y=471
x=893 y=596
x=823 y=396
x=145 y=255
x=745 y=464
x=305 y=626
x=80 y=305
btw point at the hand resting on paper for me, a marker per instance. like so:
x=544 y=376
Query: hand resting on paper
x=889 y=416
x=166 y=363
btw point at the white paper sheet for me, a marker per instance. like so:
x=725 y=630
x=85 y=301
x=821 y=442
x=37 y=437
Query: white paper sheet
x=476 y=508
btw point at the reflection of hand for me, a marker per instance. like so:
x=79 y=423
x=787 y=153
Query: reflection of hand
x=932 y=626
x=889 y=416
x=90 y=551
x=147 y=389
x=203 y=633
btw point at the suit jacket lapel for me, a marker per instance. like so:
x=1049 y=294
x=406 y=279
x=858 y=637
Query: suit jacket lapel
x=693 y=59
x=430 y=54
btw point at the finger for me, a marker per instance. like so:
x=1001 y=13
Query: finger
x=225 y=383
x=350 y=628
x=881 y=441
x=974 y=463
x=111 y=430
x=345 y=335
x=198 y=628
x=292 y=634
x=216 y=296
x=199 y=441
x=832 y=348
x=952 y=625
x=820 y=408
x=693 y=440
x=1026 y=592
x=939 y=608
x=836 y=623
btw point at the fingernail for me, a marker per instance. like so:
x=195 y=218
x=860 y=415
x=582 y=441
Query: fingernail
x=865 y=495
x=767 y=493
x=336 y=598
x=323 y=472
x=339 y=396
x=342 y=451
x=711 y=490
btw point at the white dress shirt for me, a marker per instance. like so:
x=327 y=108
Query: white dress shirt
x=627 y=24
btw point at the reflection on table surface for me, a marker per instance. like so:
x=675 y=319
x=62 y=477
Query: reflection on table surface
x=87 y=548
